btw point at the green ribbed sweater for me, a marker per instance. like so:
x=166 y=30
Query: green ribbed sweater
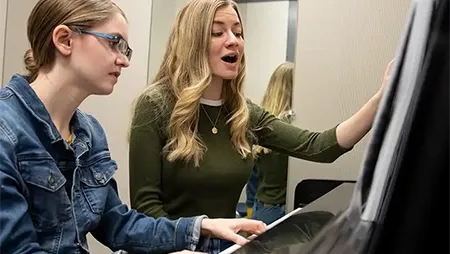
x=272 y=178
x=159 y=188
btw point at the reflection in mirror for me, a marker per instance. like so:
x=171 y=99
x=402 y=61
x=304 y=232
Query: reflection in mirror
x=270 y=35
x=270 y=41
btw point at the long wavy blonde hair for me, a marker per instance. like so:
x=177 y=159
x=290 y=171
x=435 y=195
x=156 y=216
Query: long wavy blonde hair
x=185 y=74
x=277 y=98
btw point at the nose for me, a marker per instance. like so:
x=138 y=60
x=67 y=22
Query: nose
x=232 y=40
x=122 y=60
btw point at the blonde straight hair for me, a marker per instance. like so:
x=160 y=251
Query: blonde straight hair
x=277 y=98
x=185 y=74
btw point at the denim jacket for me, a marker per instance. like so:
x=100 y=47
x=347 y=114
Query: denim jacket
x=52 y=193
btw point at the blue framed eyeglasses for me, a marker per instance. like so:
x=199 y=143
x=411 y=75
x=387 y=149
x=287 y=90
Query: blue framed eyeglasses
x=115 y=41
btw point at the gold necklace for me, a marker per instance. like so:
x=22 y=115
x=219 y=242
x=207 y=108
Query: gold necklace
x=69 y=139
x=214 y=129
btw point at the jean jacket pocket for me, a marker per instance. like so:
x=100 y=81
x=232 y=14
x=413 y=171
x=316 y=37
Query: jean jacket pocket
x=48 y=201
x=95 y=179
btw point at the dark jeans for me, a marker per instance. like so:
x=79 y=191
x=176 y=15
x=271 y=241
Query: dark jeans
x=267 y=213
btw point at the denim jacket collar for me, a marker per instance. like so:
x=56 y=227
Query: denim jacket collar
x=20 y=86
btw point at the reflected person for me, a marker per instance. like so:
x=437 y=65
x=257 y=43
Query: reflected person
x=271 y=166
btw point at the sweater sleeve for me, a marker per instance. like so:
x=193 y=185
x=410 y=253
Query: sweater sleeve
x=286 y=138
x=145 y=161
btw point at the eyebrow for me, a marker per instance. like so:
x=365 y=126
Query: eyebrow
x=218 y=22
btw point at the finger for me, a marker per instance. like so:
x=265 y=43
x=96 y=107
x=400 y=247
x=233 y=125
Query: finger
x=238 y=239
x=257 y=231
x=389 y=67
x=252 y=226
x=392 y=61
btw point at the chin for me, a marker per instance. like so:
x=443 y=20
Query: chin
x=106 y=90
x=228 y=76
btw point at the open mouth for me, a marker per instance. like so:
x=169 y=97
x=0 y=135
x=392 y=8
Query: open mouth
x=115 y=74
x=230 y=59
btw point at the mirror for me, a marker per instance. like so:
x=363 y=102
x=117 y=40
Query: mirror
x=270 y=39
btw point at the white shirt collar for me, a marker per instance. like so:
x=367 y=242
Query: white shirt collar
x=214 y=103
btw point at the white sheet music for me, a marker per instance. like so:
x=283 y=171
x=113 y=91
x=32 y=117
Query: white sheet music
x=273 y=224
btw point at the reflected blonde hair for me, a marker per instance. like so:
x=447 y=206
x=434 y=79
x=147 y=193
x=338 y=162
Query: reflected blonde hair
x=277 y=98
x=48 y=14
x=185 y=74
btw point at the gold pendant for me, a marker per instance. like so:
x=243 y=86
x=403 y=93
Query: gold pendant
x=214 y=130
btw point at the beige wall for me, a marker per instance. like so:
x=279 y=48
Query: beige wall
x=163 y=16
x=3 y=12
x=16 y=42
x=342 y=50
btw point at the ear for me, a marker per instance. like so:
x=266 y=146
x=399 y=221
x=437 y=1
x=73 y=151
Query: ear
x=62 y=39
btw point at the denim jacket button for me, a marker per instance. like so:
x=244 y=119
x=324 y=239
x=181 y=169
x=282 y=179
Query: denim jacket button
x=51 y=180
x=98 y=176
